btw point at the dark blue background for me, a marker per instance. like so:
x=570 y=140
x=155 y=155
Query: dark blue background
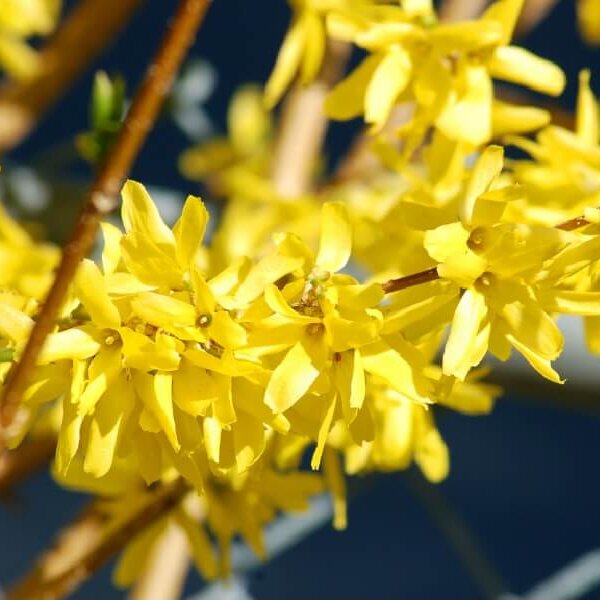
x=524 y=481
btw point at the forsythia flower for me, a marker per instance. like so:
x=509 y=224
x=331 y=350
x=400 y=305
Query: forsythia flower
x=493 y=266
x=452 y=88
x=20 y=19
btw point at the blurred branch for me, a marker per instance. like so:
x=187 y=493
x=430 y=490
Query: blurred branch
x=461 y=10
x=16 y=465
x=88 y=544
x=80 y=38
x=303 y=126
x=458 y=535
x=103 y=196
x=534 y=12
x=166 y=569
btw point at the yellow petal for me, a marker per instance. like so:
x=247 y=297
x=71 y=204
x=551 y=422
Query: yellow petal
x=587 y=123
x=431 y=453
x=106 y=425
x=248 y=121
x=505 y=12
x=467 y=115
x=140 y=215
x=140 y=352
x=200 y=544
x=336 y=482
x=72 y=343
x=102 y=372
x=68 y=437
x=291 y=379
x=134 y=559
x=14 y=324
x=249 y=440
x=163 y=311
x=486 y=170
x=156 y=392
x=388 y=81
x=325 y=420
x=335 y=244
x=466 y=346
x=314 y=48
x=518 y=65
x=212 y=438
x=511 y=118
x=571 y=302
x=401 y=367
x=346 y=99
x=91 y=289
x=189 y=230
x=286 y=66
x=588 y=16
x=111 y=253
x=226 y=332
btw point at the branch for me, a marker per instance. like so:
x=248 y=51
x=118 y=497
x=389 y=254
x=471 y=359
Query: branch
x=18 y=464
x=81 y=37
x=534 y=12
x=303 y=126
x=401 y=283
x=88 y=544
x=103 y=195
x=166 y=569
x=461 y=10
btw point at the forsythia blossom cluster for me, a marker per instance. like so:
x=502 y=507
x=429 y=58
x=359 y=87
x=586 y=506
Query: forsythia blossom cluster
x=228 y=362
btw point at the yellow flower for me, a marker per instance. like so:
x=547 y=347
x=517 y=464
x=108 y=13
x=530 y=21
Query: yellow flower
x=302 y=49
x=320 y=331
x=588 y=16
x=235 y=164
x=562 y=178
x=494 y=267
x=26 y=266
x=20 y=19
x=452 y=87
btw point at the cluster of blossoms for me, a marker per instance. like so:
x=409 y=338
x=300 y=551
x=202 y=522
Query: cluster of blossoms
x=226 y=363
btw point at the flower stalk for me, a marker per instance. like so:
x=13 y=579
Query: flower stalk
x=84 y=34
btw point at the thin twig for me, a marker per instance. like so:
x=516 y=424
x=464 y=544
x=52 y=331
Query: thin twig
x=534 y=12
x=61 y=571
x=303 y=126
x=81 y=37
x=573 y=224
x=103 y=195
x=466 y=546
x=401 y=283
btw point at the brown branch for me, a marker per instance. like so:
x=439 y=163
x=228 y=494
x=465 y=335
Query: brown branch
x=103 y=195
x=534 y=12
x=573 y=224
x=166 y=569
x=86 y=31
x=303 y=126
x=61 y=571
x=461 y=10
x=401 y=283
x=16 y=465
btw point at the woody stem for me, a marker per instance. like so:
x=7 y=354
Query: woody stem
x=102 y=197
